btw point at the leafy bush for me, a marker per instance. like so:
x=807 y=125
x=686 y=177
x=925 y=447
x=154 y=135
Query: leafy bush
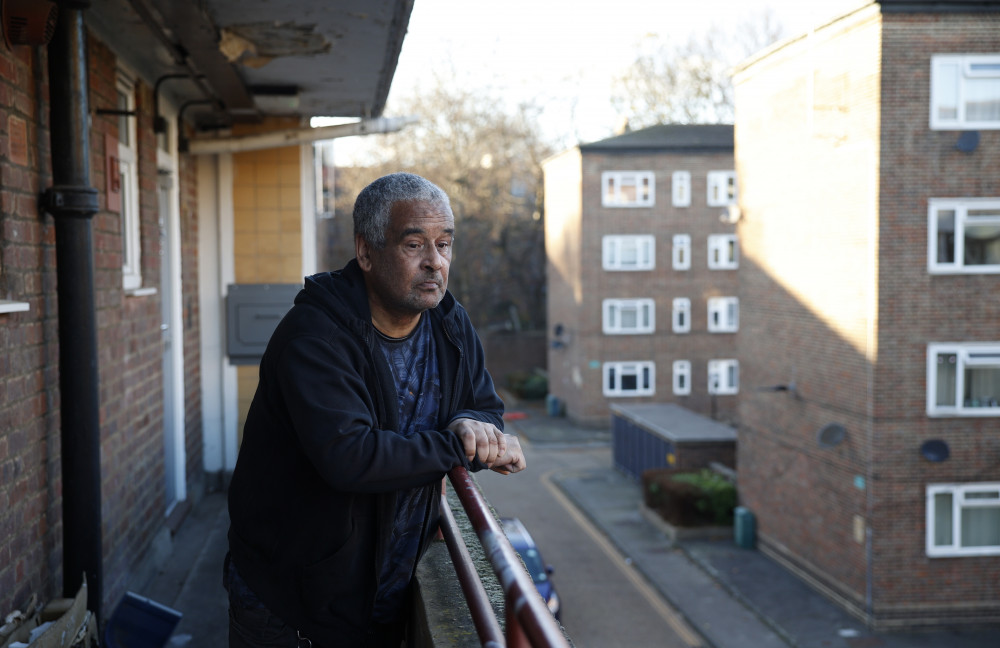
x=530 y=385
x=686 y=498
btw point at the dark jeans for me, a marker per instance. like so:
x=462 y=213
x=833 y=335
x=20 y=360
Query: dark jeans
x=251 y=625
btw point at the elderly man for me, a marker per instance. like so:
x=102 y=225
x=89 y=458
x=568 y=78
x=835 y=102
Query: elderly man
x=372 y=387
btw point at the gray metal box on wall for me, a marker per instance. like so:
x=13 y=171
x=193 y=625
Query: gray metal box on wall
x=252 y=313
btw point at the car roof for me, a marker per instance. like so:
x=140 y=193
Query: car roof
x=516 y=532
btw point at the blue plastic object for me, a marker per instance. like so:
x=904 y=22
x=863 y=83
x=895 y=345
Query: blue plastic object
x=139 y=622
x=744 y=528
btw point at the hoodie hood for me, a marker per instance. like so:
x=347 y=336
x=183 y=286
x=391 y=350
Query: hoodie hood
x=343 y=296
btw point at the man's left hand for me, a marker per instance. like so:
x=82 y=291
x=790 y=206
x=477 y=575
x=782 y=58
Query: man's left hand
x=512 y=460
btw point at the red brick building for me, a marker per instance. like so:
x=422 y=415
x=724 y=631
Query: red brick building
x=137 y=185
x=642 y=267
x=868 y=153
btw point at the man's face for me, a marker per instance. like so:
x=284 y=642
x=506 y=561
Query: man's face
x=410 y=274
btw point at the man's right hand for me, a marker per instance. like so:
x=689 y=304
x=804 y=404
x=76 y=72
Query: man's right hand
x=484 y=440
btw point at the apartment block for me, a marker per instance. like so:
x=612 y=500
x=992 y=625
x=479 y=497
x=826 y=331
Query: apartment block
x=642 y=272
x=868 y=154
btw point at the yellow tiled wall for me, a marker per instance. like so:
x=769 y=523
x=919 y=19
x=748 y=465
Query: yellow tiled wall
x=267 y=227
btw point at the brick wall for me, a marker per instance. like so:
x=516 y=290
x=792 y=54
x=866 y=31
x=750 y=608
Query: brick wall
x=916 y=307
x=191 y=323
x=30 y=515
x=837 y=161
x=129 y=342
x=562 y=273
x=576 y=371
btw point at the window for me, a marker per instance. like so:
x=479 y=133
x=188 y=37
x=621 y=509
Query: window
x=627 y=189
x=628 y=252
x=623 y=316
x=723 y=252
x=629 y=378
x=128 y=167
x=682 y=377
x=963 y=236
x=963 y=519
x=723 y=314
x=681 y=254
x=681 y=188
x=723 y=376
x=721 y=188
x=963 y=379
x=681 y=315
x=965 y=91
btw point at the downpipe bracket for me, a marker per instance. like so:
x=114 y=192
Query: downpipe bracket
x=70 y=201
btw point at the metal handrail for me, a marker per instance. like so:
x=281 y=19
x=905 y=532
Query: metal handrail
x=529 y=622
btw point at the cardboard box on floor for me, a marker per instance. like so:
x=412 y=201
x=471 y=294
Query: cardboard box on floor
x=62 y=623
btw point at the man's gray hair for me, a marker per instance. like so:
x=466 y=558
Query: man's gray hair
x=374 y=204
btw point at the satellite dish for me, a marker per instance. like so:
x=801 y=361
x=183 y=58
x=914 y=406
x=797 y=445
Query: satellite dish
x=934 y=450
x=831 y=435
x=967 y=141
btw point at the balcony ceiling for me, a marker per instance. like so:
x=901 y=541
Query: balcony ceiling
x=248 y=59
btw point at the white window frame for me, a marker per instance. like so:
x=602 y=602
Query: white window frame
x=645 y=316
x=680 y=188
x=682 y=377
x=617 y=250
x=961 y=207
x=680 y=253
x=964 y=69
x=723 y=314
x=681 y=315
x=634 y=369
x=723 y=252
x=128 y=164
x=965 y=356
x=724 y=376
x=965 y=498
x=613 y=183
x=722 y=189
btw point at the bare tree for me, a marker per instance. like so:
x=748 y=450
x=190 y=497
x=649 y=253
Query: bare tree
x=689 y=83
x=486 y=154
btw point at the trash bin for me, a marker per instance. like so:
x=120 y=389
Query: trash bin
x=139 y=622
x=744 y=528
x=553 y=405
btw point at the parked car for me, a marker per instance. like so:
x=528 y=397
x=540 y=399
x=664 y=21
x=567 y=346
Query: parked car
x=540 y=573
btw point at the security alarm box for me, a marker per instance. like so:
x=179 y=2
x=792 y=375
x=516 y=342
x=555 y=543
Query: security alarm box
x=252 y=313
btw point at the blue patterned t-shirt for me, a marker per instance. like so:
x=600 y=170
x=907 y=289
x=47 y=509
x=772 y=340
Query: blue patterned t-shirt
x=415 y=370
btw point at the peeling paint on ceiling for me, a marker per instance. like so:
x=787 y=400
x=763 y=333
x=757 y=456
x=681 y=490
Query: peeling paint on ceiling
x=276 y=39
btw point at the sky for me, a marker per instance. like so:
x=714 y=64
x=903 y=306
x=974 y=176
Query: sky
x=563 y=54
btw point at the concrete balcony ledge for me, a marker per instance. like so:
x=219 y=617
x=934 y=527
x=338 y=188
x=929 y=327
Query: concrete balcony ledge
x=440 y=615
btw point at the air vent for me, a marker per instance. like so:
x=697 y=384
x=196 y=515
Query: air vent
x=28 y=22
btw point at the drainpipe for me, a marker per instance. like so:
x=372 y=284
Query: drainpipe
x=73 y=202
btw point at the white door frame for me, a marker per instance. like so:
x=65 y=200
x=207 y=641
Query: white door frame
x=216 y=270
x=175 y=453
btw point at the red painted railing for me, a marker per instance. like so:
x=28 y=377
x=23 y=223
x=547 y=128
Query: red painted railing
x=528 y=620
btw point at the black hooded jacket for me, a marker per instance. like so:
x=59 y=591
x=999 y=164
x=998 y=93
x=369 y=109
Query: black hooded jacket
x=313 y=494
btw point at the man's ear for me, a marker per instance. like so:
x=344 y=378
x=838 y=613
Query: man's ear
x=362 y=251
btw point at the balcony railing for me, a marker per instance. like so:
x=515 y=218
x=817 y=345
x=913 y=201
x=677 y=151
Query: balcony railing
x=527 y=618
